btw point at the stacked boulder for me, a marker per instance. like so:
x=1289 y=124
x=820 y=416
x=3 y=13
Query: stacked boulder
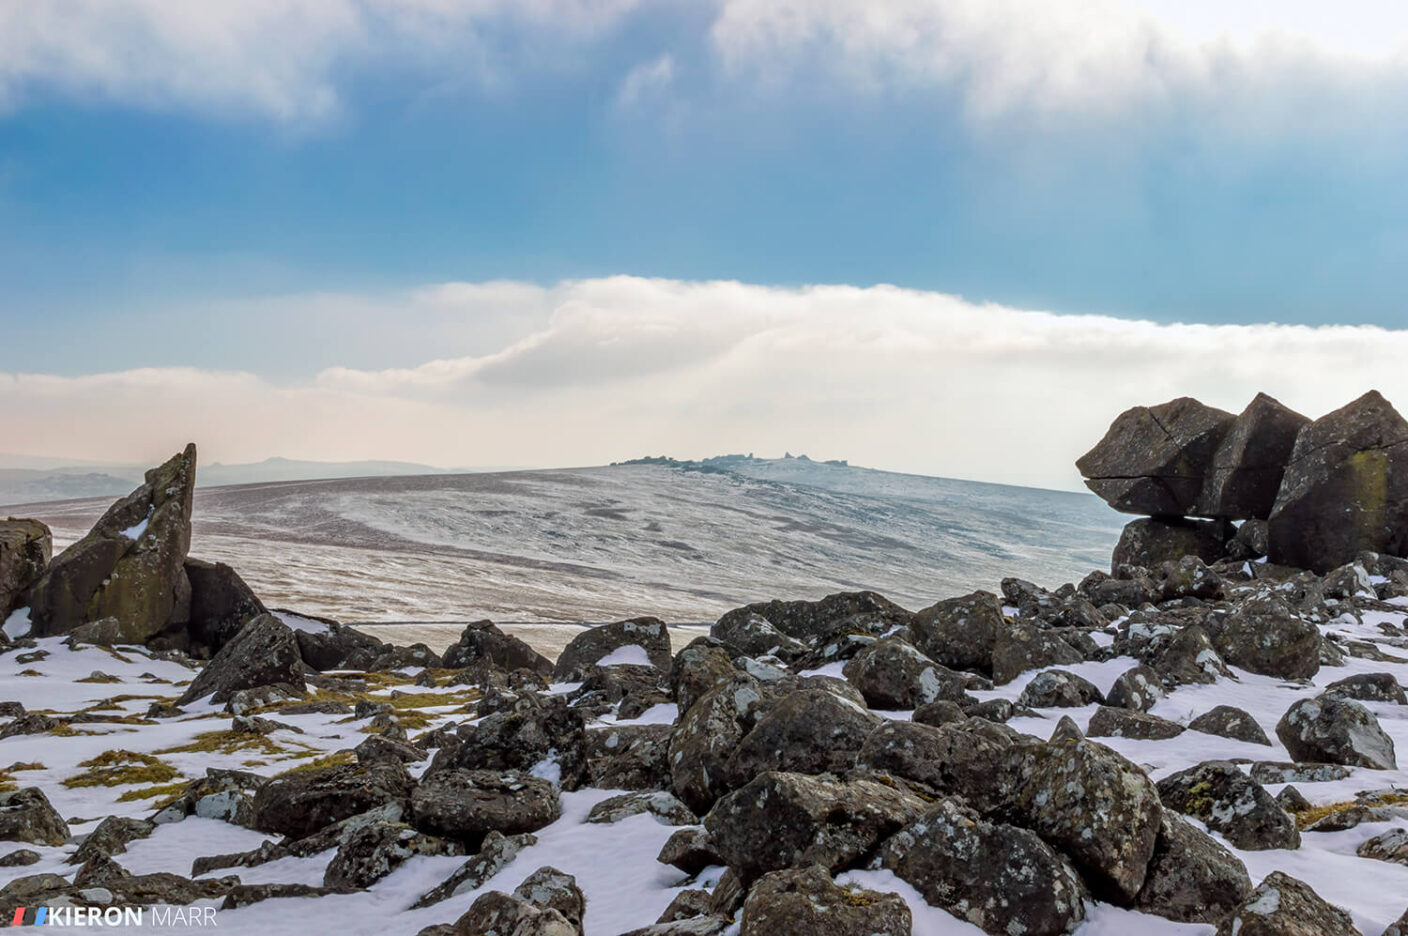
x=1308 y=494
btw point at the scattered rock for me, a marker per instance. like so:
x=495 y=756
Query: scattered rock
x=1263 y=635
x=806 y=900
x=960 y=633
x=597 y=643
x=1136 y=689
x=1336 y=731
x=1020 y=647
x=375 y=849
x=495 y=853
x=1388 y=846
x=1191 y=878
x=302 y=802
x=26 y=547
x=265 y=652
x=466 y=805
x=1059 y=689
x=1230 y=722
x=483 y=641
x=663 y=806
x=1284 y=906
x=1232 y=804
x=26 y=816
x=1110 y=722
x=810 y=731
x=892 y=674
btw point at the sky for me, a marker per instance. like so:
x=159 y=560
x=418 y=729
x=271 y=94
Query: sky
x=952 y=237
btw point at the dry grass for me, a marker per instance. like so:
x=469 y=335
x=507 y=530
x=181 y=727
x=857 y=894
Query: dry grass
x=120 y=768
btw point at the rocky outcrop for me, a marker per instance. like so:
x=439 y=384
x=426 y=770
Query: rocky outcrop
x=1247 y=467
x=264 y=653
x=26 y=546
x=26 y=816
x=1285 y=906
x=816 y=622
x=131 y=566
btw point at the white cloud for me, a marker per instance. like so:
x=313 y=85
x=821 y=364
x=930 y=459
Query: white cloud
x=896 y=378
x=645 y=80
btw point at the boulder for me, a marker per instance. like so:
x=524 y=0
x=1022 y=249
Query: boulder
x=1368 y=687
x=806 y=900
x=706 y=735
x=1345 y=489
x=1110 y=722
x=1188 y=577
x=810 y=731
x=1386 y=846
x=339 y=647
x=786 y=820
x=1336 y=731
x=130 y=566
x=264 y=653
x=221 y=604
x=816 y=622
x=665 y=807
x=110 y=837
x=227 y=795
x=1020 y=647
x=1187 y=657
x=466 y=805
x=303 y=802
x=964 y=759
x=1150 y=542
x=697 y=669
x=26 y=816
x=1155 y=460
x=1248 y=465
x=1400 y=928
x=1285 y=906
x=547 y=903
x=1059 y=689
x=1231 y=804
x=539 y=733
x=754 y=635
x=892 y=674
x=960 y=632
x=629 y=757
x=496 y=852
x=1264 y=635
x=1000 y=878
x=372 y=851
x=648 y=635
x=1136 y=689
x=1093 y=805
x=1227 y=721
x=484 y=641
x=26 y=546
x=689 y=850
x=1192 y=878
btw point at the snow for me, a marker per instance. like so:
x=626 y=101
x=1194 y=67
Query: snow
x=139 y=529
x=628 y=655
x=17 y=624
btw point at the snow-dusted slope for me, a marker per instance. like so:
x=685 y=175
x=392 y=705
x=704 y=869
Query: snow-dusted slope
x=602 y=543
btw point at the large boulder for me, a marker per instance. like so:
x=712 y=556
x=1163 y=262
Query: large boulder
x=1228 y=721
x=1247 y=467
x=706 y=735
x=960 y=632
x=1191 y=878
x=966 y=758
x=466 y=805
x=547 y=903
x=26 y=816
x=537 y=733
x=892 y=674
x=1149 y=542
x=484 y=641
x=629 y=757
x=1098 y=808
x=1345 y=490
x=1020 y=647
x=754 y=635
x=26 y=546
x=221 y=604
x=810 y=731
x=1059 y=689
x=815 y=622
x=1265 y=635
x=338 y=646
x=806 y=900
x=1000 y=878
x=1231 y=804
x=131 y=566
x=373 y=850
x=304 y=801
x=264 y=653
x=1154 y=460
x=639 y=640
x=1336 y=731
x=1285 y=906
x=786 y=820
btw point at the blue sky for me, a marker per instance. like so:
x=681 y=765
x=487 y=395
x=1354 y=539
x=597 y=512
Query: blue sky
x=272 y=189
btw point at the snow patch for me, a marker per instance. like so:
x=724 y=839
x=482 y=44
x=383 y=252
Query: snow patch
x=628 y=655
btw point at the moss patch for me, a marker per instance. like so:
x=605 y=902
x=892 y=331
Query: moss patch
x=225 y=742
x=328 y=760
x=166 y=792
x=1315 y=813
x=120 y=768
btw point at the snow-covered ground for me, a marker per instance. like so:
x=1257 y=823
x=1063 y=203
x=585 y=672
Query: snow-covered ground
x=615 y=864
x=598 y=544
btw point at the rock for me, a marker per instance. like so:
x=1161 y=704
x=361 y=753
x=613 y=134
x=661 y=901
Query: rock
x=339 y=647
x=1264 y=635
x=1281 y=772
x=27 y=724
x=1367 y=687
x=959 y=759
x=227 y=795
x=245 y=895
x=806 y=900
x=372 y=851
x=1188 y=657
x=495 y=853
x=380 y=748
x=706 y=735
x=1059 y=689
x=1229 y=722
x=20 y=857
x=1093 y=805
x=689 y=850
x=1345 y=489
x=665 y=807
x=940 y=712
x=1110 y=722
x=547 y=903
x=1336 y=731
x=689 y=903
x=1136 y=689
x=302 y=802
x=755 y=636
x=629 y=757
x=466 y=805
x=892 y=674
x=1284 y=906
x=1387 y=846
x=1021 y=647
x=265 y=652
x=1155 y=460
x=816 y=622
x=1248 y=465
x=416 y=656
x=26 y=816
x=1188 y=577
x=1148 y=543
x=960 y=633
x=26 y=547
x=1232 y=804
x=1131 y=589
x=810 y=731
x=712 y=924
x=130 y=566
x=1000 y=878
x=221 y=604
x=696 y=669
x=1192 y=878
x=785 y=820
x=483 y=641
x=539 y=733
x=110 y=837
x=1066 y=730
x=591 y=646
x=1399 y=928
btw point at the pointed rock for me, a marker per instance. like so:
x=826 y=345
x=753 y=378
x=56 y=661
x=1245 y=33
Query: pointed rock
x=1248 y=465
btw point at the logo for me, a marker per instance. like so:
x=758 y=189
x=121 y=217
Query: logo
x=114 y=916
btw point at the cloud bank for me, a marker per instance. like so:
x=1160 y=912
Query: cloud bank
x=623 y=366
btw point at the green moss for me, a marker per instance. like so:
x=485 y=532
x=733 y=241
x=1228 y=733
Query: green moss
x=99 y=678
x=225 y=742
x=329 y=760
x=167 y=791
x=1368 y=480
x=120 y=768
